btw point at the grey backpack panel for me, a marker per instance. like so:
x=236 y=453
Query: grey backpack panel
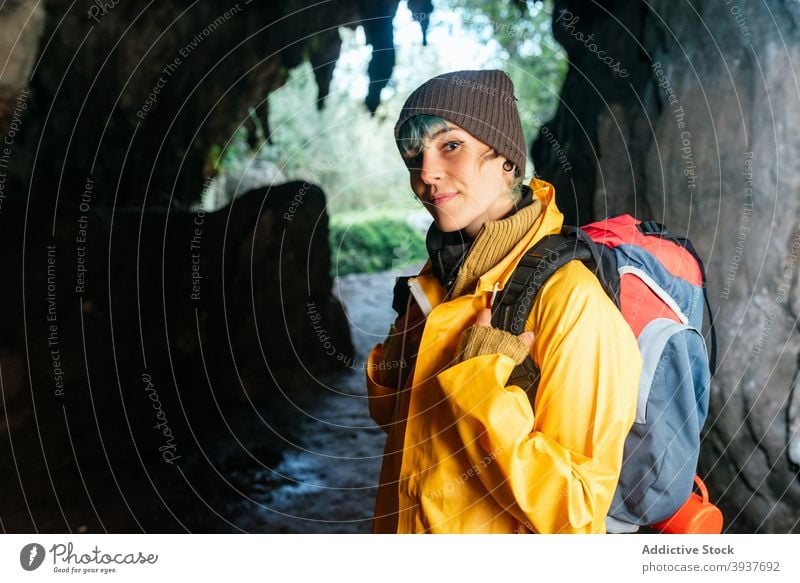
x=662 y=448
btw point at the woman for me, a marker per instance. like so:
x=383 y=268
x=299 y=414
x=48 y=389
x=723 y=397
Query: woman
x=465 y=452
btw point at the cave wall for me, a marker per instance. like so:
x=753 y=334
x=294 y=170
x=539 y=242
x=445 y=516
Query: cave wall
x=698 y=133
x=124 y=300
x=130 y=341
x=139 y=97
x=21 y=28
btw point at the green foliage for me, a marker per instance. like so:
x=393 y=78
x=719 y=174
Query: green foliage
x=236 y=150
x=374 y=245
x=352 y=156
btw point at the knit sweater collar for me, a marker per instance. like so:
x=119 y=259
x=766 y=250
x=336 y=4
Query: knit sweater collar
x=458 y=262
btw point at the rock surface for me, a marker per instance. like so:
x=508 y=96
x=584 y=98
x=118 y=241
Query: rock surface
x=132 y=341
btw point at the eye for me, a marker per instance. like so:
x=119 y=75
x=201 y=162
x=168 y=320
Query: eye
x=452 y=145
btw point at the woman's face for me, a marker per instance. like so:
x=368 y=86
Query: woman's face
x=460 y=181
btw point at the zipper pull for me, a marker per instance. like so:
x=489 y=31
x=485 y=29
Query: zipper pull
x=494 y=294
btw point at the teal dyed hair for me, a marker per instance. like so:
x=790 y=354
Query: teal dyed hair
x=416 y=129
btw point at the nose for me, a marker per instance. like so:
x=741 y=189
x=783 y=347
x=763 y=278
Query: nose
x=430 y=167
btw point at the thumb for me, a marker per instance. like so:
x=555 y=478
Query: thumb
x=484 y=317
x=527 y=338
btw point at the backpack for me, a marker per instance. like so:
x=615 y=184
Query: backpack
x=657 y=280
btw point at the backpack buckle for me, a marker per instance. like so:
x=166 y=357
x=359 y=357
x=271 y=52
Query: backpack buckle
x=652 y=228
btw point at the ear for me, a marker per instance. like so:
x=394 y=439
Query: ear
x=509 y=178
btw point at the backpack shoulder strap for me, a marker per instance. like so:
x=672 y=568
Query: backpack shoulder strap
x=540 y=262
x=510 y=311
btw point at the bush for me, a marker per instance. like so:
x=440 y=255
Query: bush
x=374 y=245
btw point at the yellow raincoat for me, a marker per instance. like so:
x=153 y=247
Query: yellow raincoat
x=466 y=454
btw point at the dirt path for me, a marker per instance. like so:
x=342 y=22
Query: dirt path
x=326 y=481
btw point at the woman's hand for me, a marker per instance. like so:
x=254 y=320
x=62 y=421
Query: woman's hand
x=484 y=318
x=481 y=338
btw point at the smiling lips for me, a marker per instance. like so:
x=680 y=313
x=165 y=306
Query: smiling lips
x=440 y=199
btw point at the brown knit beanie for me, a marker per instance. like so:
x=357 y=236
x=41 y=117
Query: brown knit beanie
x=481 y=102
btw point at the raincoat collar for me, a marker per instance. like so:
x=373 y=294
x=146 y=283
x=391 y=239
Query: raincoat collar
x=547 y=220
x=447 y=251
